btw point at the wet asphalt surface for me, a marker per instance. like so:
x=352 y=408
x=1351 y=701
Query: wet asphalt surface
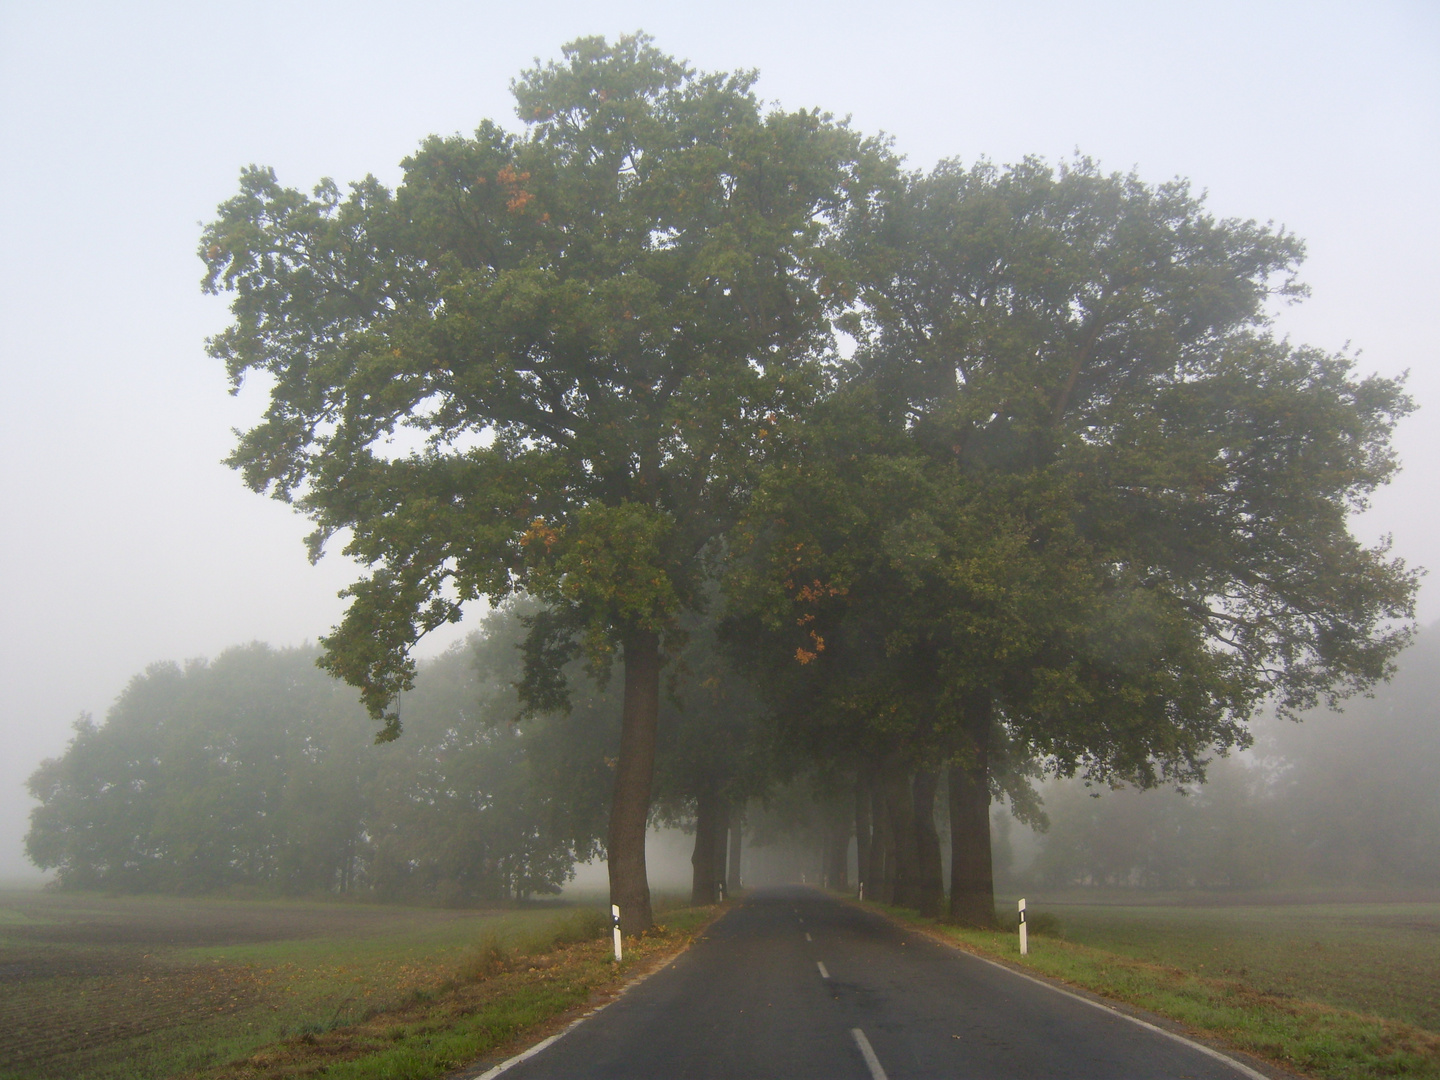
x=781 y=985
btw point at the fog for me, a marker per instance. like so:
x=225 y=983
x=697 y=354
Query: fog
x=1343 y=801
x=124 y=540
x=667 y=860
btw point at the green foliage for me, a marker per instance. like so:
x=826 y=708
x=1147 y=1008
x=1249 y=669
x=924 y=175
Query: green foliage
x=470 y=806
x=715 y=734
x=252 y=771
x=1071 y=470
x=246 y=770
x=588 y=327
x=602 y=569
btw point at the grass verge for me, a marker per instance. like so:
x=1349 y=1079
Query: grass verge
x=506 y=994
x=1312 y=1037
x=100 y=987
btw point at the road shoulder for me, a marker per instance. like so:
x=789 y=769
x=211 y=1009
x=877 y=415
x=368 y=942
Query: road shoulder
x=525 y=1044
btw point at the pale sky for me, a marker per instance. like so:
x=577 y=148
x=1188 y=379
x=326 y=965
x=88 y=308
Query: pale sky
x=124 y=541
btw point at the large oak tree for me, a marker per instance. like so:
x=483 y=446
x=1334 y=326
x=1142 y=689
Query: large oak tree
x=1084 y=493
x=586 y=332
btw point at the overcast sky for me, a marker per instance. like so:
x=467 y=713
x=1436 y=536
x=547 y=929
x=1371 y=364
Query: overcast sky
x=124 y=541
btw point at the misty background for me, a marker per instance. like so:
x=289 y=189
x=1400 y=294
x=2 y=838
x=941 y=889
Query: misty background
x=124 y=541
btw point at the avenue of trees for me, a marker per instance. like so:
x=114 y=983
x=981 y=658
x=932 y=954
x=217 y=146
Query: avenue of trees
x=254 y=772
x=916 y=481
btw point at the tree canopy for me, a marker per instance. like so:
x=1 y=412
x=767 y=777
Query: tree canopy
x=1073 y=485
x=1070 y=505
x=592 y=327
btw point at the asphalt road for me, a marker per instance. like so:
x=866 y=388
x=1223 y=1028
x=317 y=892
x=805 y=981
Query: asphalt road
x=793 y=984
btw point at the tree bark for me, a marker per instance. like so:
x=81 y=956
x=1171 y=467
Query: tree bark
x=702 y=860
x=634 y=775
x=837 y=847
x=930 y=868
x=882 y=847
x=862 y=827
x=737 y=832
x=722 y=844
x=900 y=804
x=972 y=882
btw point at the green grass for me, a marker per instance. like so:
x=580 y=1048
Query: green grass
x=343 y=979
x=1381 y=959
x=1342 y=991
x=497 y=1010
x=126 y=987
x=115 y=988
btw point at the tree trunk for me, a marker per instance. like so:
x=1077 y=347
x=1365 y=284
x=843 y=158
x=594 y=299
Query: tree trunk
x=862 y=827
x=931 y=886
x=837 y=847
x=900 y=803
x=737 y=833
x=972 y=883
x=702 y=861
x=634 y=774
x=882 y=847
x=722 y=844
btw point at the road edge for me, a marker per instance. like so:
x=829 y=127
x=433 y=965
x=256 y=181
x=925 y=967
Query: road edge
x=487 y=1069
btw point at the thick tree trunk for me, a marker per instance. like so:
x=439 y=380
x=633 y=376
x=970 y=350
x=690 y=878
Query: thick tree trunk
x=702 y=861
x=737 y=833
x=900 y=803
x=930 y=868
x=972 y=883
x=634 y=774
x=862 y=827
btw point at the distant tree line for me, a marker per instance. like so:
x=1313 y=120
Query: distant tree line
x=1348 y=799
x=255 y=770
x=1068 y=507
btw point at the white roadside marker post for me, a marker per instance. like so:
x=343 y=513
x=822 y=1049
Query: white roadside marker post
x=1024 y=938
x=615 y=927
x=862 y=892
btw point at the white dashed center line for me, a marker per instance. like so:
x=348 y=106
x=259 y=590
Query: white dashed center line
x=821 y=965
x=807 y=936
x=868 y=1053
